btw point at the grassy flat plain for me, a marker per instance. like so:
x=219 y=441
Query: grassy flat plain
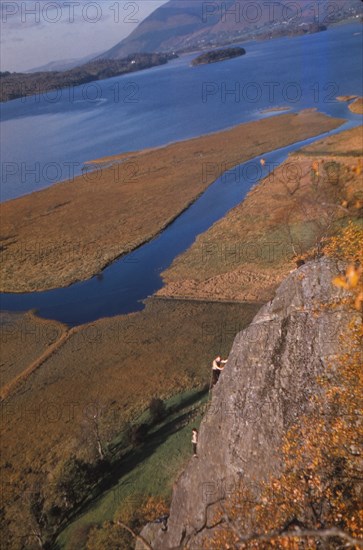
x=116 y=365
x=74 y=229
x=246 y=255
x=23 y=339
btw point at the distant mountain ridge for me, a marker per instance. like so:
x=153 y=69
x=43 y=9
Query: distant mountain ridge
x=182 y=25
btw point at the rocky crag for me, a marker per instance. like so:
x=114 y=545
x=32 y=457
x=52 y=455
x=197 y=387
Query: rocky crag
x=271 y=373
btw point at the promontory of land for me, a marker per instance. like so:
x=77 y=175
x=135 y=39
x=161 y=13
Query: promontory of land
x=357 y=106
x=72 y=230
x=16 y=85
x=355 y=103
x=346 y=98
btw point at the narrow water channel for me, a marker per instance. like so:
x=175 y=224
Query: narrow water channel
x=122 y=286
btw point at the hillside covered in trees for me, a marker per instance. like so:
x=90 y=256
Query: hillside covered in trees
x=16 y=85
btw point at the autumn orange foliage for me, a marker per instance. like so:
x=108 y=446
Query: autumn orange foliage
x=348 y=246
x=134 y=513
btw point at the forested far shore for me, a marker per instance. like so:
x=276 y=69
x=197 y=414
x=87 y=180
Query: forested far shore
x=16 y=85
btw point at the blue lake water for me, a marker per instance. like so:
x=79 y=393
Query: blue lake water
x=56 y=133
x=44 y=138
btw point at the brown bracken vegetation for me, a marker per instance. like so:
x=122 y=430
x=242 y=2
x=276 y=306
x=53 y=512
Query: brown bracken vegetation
x=74 y=229
x=283 y=219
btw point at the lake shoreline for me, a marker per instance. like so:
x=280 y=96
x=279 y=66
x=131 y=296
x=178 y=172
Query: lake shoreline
x=173 y=179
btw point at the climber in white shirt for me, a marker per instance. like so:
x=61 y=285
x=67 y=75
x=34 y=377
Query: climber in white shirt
x=217 y=367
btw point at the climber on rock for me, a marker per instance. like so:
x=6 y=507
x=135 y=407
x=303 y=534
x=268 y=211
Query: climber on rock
x=217 y=367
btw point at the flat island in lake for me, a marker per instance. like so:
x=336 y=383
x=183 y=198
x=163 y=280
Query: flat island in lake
x=218 y=55
x=275 y=110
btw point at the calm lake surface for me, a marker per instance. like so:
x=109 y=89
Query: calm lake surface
x=48 y=138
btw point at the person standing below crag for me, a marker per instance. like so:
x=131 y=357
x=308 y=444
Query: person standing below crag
x=195 y=441
x=217 y=367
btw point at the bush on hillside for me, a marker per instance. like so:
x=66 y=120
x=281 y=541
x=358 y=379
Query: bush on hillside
x=157 y=410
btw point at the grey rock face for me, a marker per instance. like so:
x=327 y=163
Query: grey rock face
x=266 y=385
x=149 y=533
